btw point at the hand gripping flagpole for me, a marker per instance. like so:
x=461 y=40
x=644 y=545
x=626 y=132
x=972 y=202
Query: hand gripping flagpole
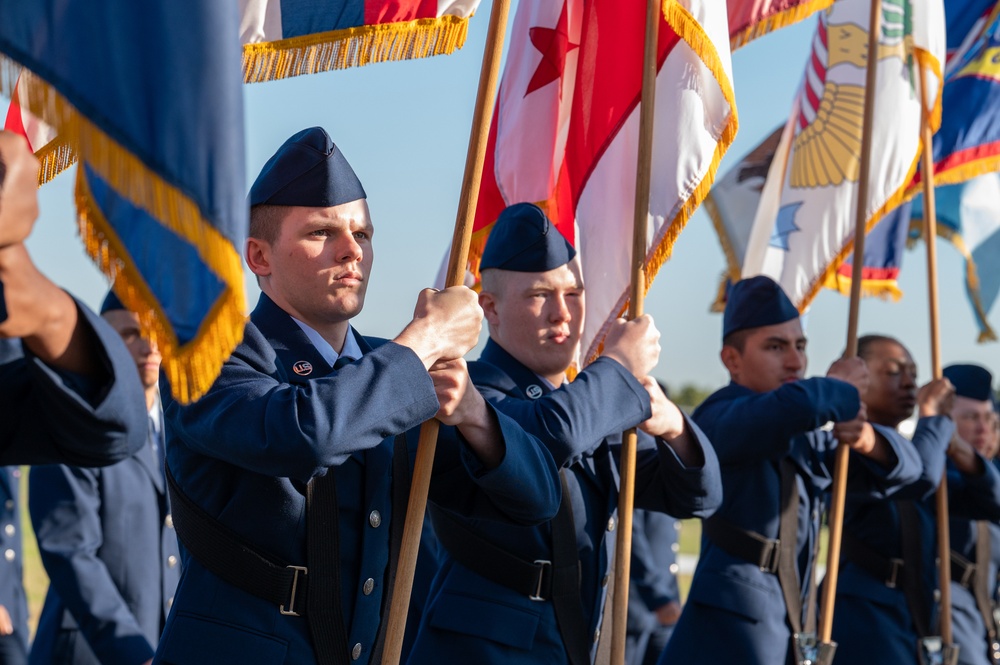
x=626 y=492
x=457 y=262
x=836 y=518
x=945 y=651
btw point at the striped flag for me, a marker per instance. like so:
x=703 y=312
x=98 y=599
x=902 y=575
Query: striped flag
x=804 y=227
x=565 y=133
x=148 y=96
x=283 y=38
x=54 y=156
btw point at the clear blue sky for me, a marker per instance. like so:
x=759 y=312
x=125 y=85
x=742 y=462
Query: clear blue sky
x=405 y=127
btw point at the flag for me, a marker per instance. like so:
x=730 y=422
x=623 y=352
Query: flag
x=53 y=155
x=735 y=197
x=565 y=133
x=968 y=142
x=883 y=258
x=731 y=204
x=750 y=19
x=148 y=96
x=283 y=38
x=804 y=227
x=968 y=216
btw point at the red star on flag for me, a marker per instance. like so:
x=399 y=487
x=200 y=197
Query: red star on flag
x=554 y=45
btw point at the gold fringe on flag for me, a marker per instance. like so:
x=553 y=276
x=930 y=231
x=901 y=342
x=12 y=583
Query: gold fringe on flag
x=733 y=268
x=904 y=193
x=693 y=34
x=192 y=368
x=776 y=21
x=53 y=158
x=886 y=289
x=353 y=47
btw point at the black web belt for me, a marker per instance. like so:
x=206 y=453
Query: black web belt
x=903 y=573
x=775 y=556
x=557 y=580
x=297 y=591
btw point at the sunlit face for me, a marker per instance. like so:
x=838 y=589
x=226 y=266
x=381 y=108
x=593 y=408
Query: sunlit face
x=317 y=269
x=892 y=387
x=537 y=317
x=976 y=422
x=145 y=354
x=772 y=356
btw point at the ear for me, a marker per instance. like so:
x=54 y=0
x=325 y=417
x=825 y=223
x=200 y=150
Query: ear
x=258 y=256
x=732 y=359
x=488 y=302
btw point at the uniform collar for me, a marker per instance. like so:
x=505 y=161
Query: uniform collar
x=351 y=349
x=531 y=384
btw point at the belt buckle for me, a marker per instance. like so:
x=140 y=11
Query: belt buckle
x=291 y=598
x=896 y=565
x=771 y=556
x=537 y=596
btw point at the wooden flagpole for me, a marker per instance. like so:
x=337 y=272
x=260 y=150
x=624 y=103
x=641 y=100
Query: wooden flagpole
x=626 y=492
x=457 y=262
x=861 y=217
x=930 y=238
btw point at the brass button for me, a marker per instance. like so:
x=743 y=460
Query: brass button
x=675 y=547
x=168 y=521
x=9 y=555
x=611 y=524
x=9 y=529
x=171 y=561
x=368 y=587
x=356 y=651
x=674 y=568
x=375 y=519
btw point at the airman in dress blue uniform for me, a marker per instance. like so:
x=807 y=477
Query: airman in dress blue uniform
x=67 y=383
x=513 y=594
x=106 y=539
x=885 y=599
x=752 y=588
x=975 y=558
x=289 y=477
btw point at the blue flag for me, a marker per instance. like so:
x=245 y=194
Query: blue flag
x=968 y=217
x=148 y=96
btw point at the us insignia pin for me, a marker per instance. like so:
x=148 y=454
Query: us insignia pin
x=302 y=367
x=533 y=391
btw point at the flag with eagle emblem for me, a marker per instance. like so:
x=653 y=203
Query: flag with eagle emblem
x=804 y=226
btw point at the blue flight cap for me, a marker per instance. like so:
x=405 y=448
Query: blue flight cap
x=970 y=381
x=524 y=240
x=308 y=170
x=755 y=302
x=111 y=302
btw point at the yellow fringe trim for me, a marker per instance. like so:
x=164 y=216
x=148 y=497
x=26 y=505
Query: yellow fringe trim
x=53 y=158
x=733 y=267
x=886 y=289
x=353 y=47
x=193 y=368
x=903 y=193
x=693 y=34
x=776 y=21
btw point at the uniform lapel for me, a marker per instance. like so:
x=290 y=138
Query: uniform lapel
x=296 y=358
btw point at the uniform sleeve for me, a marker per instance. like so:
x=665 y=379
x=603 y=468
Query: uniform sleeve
x=54 y=416
x=664 y=483
x=975 y=497
x=761 y=425
x=602 y=400
x=252 y=419
x=65 y=508
x=523 y=489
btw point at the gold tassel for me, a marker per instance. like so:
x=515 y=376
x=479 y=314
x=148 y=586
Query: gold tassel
x=777 y=21
x=353 y=47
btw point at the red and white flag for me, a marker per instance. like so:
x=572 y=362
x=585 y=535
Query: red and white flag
x=53 y=155
x=566 y=125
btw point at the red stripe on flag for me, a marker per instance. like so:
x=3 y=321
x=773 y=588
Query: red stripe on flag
x=392 y=11
x=608 y=82
x=14 y=122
